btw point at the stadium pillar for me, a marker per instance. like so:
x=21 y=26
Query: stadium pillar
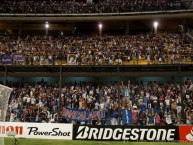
x=119 y=97
x=181 y=93
x=127 y=28
x=60 y=93
x=20 y=29
x=5 y=76
x=119 y=104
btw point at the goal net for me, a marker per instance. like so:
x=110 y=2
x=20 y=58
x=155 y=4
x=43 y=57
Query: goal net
x=4 y=98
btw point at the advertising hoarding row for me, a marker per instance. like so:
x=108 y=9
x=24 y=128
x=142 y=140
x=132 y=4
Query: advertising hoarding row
x=37 y=130
x=98 y=132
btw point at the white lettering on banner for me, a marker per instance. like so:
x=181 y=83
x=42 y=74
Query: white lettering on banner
x=37 y=130
x=151 y=134
x=93 y=133
x=107 y=133
x=100 y=133
x=135 y=134
x=116 y=136
x=126 y=134
x=162 y=133
x=170 y=134
x=143 y=133
x=85 y=132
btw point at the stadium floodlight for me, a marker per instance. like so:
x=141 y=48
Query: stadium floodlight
x=155 y=25
x=100 y=28
x=47 y=25
x=61 y=33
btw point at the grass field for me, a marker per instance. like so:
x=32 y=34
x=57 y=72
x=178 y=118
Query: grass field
x=9 y=141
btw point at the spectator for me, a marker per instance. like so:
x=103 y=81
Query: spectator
x=12 y=116
x=43 y=105
x=76 y=7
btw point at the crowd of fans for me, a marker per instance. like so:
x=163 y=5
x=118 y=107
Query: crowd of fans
x=151 y=103
x=147 y=48
x=75 y=6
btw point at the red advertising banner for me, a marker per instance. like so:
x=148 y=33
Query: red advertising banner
x=186 y=133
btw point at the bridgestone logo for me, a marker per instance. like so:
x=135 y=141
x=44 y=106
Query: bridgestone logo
x=132 y=134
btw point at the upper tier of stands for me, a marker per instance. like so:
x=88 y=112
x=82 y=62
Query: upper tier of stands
x=76 y=7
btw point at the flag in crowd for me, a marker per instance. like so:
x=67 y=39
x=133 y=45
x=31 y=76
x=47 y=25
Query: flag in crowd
x=81 y=114
x=18 y=57
x=7 y=59
x=126 y=116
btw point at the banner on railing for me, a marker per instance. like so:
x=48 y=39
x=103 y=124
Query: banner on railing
x=71 y=59
x=18 y=58
x=7 y=59
x=37 y=130
x=82 y=115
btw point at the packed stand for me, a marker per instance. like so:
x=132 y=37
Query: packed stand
x=75 y=6
x=148 y=48
x=151 y=103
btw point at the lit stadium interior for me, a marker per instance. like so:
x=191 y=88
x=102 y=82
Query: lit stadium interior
x=74 y=71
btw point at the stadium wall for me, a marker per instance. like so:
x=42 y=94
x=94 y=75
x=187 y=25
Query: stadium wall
x=53 y=80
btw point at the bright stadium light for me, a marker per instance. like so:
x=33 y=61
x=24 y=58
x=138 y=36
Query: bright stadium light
x=100 y=28
x=47 y=27
x=155 y=25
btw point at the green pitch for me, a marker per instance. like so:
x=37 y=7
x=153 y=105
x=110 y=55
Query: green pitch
x=9 y=141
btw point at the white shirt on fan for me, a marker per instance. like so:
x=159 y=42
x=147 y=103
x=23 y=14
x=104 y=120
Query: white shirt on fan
x=12 y=117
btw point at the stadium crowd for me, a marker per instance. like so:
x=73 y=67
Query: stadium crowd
x=151 y=103
x=75 y=6
x=146 y=48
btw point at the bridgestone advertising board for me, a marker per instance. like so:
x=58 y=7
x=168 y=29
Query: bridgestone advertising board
x=100 y=133
x=126 y=133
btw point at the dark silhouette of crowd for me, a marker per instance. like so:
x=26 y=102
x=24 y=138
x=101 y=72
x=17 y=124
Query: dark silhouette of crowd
x=151 y=103
x=145 y=48
x=76 y=6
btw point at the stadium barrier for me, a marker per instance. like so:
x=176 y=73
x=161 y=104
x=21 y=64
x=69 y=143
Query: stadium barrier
x=99 y=132
x=134 y=133
x=37 y=130
x=17 y=59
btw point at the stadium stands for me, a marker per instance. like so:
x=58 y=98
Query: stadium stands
x=147 y=48
x=76 y=7
x=139 y=103
x=149 y=103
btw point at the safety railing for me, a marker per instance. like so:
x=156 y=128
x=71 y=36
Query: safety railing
x=72 y=60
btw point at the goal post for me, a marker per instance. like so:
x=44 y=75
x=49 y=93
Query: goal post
x=4 y=98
